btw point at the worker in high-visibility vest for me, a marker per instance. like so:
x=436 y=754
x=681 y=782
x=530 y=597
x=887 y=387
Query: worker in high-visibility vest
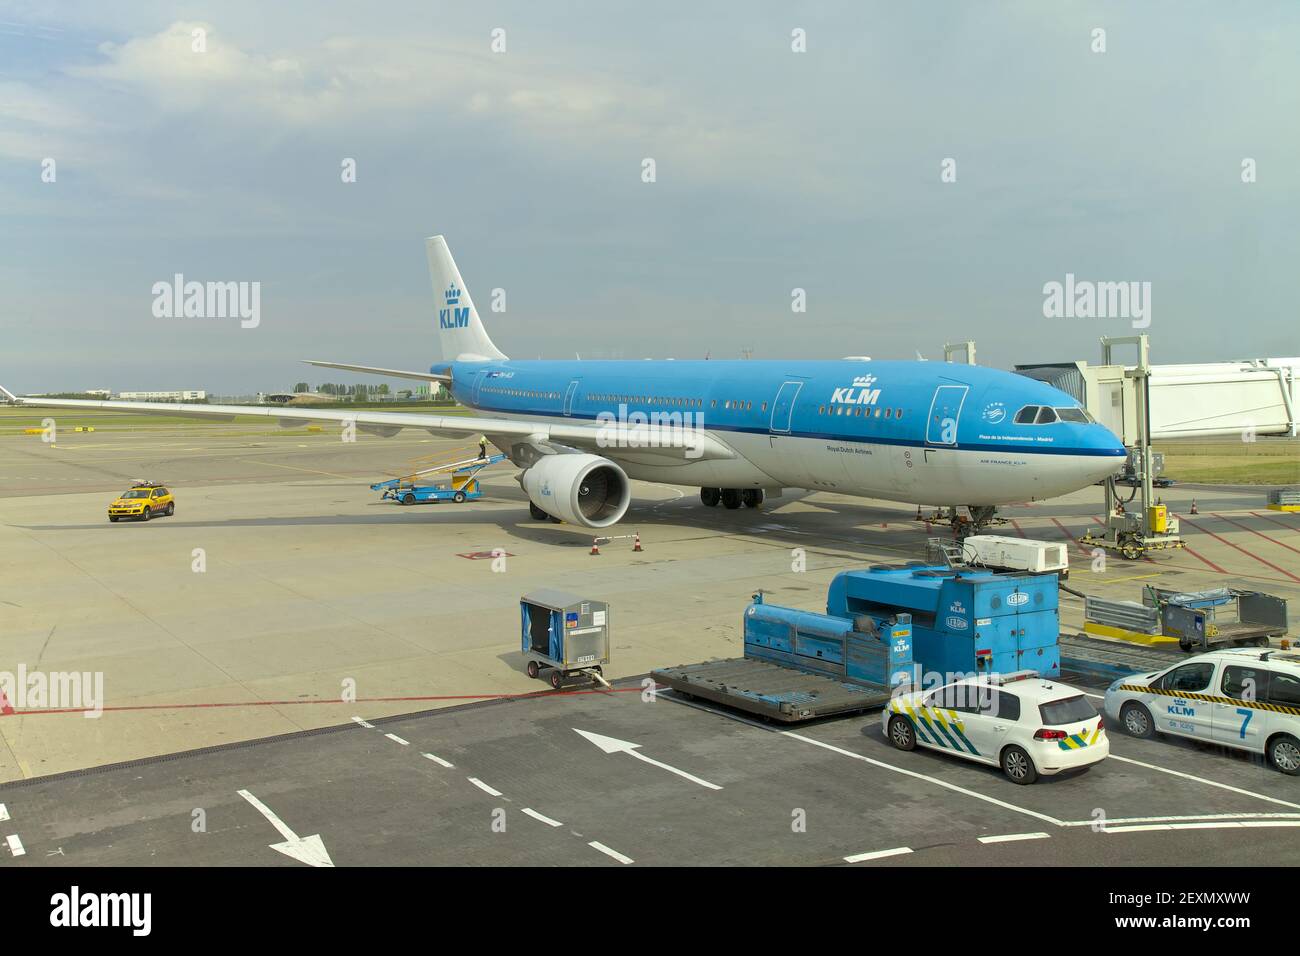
x=482 y=446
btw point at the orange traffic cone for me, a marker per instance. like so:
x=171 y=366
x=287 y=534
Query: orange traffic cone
x=1194 y=511
x=595 y=546
x=636 y=542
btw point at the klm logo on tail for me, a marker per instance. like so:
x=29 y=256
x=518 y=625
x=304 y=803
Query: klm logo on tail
x=453 y=317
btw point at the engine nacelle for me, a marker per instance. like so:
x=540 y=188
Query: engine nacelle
x=582 y=489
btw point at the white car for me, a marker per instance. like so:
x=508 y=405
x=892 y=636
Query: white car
x=1241 y=697
x=1020 y=722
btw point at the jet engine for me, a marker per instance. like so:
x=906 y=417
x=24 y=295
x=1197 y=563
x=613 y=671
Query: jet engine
x=582 y=489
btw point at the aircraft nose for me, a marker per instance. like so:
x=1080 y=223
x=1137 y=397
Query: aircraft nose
x=1112 y=452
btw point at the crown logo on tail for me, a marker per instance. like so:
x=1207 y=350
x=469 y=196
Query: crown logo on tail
x=452 y=294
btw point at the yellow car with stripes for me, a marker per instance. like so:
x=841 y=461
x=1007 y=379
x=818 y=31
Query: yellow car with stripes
x=1246 y=698
x=1026 y=725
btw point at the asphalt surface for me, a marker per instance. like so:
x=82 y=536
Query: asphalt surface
x=514 y=783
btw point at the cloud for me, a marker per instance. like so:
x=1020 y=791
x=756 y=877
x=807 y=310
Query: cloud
x=371 y=80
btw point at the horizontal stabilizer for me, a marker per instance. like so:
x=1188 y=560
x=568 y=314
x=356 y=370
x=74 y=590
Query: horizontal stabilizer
x=389 y=372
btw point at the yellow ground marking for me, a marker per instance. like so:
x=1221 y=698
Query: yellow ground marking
x=1135 y=577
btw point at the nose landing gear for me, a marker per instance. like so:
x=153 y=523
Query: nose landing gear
x=981 y=517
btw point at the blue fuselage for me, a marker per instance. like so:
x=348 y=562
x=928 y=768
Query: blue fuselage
x=911 y=431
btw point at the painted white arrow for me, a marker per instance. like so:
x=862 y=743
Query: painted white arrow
x=310 y=849
x=612 y=745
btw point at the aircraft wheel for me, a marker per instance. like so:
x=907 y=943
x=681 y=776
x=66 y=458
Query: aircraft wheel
x=711 y=496
x=731 y=498
x=752 y=497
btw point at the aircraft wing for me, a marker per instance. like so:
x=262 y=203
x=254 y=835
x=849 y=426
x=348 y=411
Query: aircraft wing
x=640 y=441
x=389 y=372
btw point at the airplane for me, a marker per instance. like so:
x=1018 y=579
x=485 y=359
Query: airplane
x=922 y=433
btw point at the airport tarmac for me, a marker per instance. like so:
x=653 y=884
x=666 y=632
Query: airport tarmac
x=515 y=783
x=283 y=585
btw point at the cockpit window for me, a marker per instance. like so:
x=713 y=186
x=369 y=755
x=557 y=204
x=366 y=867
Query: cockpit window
x=1077 y=415
x=1027 y=415
x=1045 y=416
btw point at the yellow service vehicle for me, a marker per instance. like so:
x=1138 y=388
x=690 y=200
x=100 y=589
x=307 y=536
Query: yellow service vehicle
x=145 y=500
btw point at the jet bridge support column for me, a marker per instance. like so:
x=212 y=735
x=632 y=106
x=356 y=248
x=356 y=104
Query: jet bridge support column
x=1152 y=529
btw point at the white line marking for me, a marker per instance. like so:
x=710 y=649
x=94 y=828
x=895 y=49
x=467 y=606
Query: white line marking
x=437 y=760
x=1013 y=837
x=309 y=849
x=1099 y=823
x=1225 y=825
x=920 y=776
x=878 y=854
x=1269 y=823
x=612 y=745
x=483 y=786
x=15 y=844
x=363 y=723
x=4 y=812
x=1209 y=783
x=1136 y=829
x=398 y=740
x=612 y=853
x=539 y=816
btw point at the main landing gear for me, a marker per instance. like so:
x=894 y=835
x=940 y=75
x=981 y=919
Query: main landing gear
x=540 y=515
x=732 y=498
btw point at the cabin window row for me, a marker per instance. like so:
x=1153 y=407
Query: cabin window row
x=520 y=392
x=672 y=402
x=859 y=411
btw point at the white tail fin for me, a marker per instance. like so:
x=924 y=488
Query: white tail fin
x=459 y=327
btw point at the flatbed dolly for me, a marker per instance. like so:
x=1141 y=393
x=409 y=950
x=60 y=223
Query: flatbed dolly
x=1100 y=659
x=780 y=693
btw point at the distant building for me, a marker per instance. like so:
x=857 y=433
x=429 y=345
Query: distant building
x=294 y=398
x=99 y=392
x=191 y=395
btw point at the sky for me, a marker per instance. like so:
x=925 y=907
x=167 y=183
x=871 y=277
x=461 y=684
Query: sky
x=920 y=170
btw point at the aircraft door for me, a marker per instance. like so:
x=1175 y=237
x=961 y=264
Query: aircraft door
x=478 y=386
x=568 y=397
x=783 y=406
x=945 y=414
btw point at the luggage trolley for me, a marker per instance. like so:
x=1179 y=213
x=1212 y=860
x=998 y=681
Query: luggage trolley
x=564 y=633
